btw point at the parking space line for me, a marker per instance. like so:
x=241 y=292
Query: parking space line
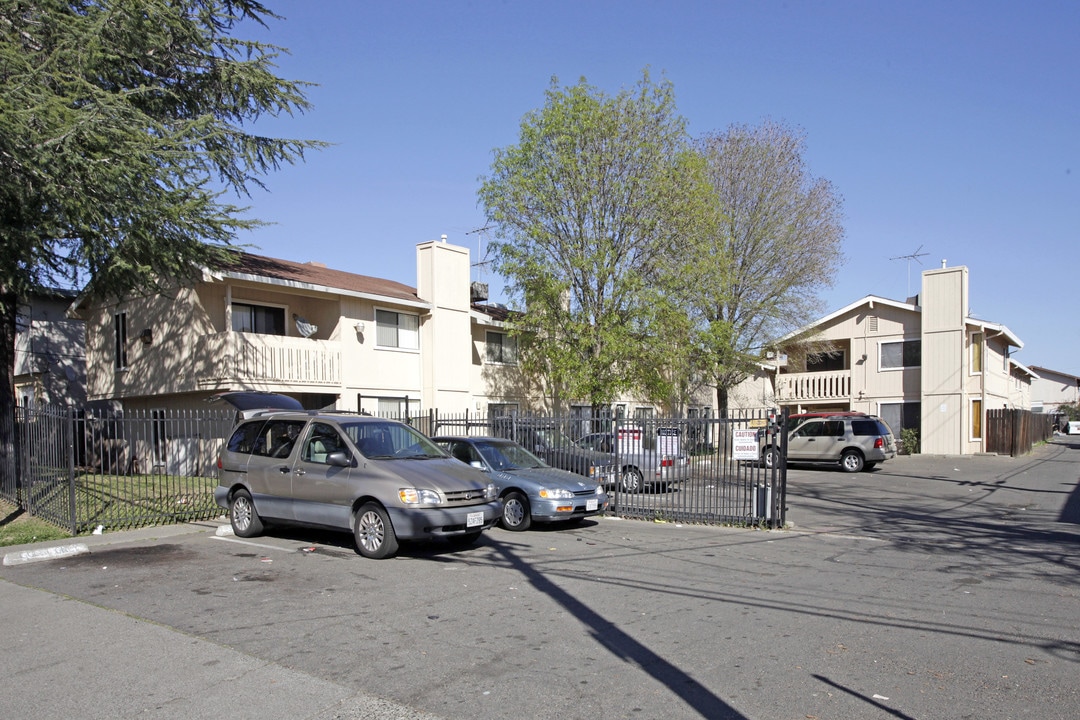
x=252 y=544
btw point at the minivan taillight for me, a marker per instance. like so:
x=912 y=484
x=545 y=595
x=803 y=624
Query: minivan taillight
x=219 y=462
x=879 y=443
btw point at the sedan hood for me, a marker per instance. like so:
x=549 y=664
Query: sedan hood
x=550 y=477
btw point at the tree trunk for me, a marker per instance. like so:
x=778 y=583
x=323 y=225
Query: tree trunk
x=9 y=305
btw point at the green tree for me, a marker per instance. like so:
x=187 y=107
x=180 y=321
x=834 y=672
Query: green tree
x=122 y=130
x=587 y=210
x=771 y=243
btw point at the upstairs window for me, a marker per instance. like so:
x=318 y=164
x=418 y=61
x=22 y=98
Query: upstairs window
x=976 y=352
x=826 y=362
x=901 y=354
x=120 y=358
x=258 y=319
x=397 y=330
x=501 y=348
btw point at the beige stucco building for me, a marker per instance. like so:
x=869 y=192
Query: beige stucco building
x=360 y=343
x=925 y=364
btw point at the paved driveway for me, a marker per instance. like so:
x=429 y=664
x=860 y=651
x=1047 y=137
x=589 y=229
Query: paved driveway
x=930 y=588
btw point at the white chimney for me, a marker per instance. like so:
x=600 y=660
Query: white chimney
x=444 y=238
x=942 y=259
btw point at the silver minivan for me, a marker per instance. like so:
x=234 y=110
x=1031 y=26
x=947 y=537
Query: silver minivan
x=380 y=479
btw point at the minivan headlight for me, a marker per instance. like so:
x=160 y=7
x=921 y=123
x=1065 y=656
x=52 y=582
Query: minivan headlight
x=419 y=496
x=491 y=492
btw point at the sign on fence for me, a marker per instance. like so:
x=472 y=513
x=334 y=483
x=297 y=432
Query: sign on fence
x=744 y=444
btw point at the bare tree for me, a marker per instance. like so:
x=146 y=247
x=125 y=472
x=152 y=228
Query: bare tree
x=772 y=242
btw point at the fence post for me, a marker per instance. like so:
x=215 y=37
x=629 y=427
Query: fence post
x=71 y=470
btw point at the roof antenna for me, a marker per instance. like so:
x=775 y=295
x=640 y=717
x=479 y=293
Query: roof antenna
x=913 y=256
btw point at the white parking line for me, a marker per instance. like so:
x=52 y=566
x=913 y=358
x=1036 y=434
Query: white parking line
x=252 y=544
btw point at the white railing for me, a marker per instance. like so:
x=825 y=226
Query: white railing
x=792 y=387
x=251 y=358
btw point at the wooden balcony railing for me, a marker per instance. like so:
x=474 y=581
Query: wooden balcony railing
x=794 y=387
x=254 y=359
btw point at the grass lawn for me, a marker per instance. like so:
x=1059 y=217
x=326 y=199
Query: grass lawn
x=18 y=528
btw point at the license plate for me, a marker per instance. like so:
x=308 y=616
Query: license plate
x=591 y=504
x=474 y=519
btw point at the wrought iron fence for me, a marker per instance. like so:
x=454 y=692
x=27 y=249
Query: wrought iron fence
x=664 y=469
x=81 y=468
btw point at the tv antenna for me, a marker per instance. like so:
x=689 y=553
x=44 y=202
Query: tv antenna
x=913 y=256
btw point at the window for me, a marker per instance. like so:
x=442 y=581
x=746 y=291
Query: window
x=120 y=340
x=322 y=441
x=901 y=415
x=976 y=352
x=397 y=330
x=826 y=362
x=976 y=419
x=501 y=348
x=496 y=410
x=258 y=319
x=901 y=354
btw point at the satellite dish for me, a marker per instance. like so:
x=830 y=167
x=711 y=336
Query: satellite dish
x=304 y=327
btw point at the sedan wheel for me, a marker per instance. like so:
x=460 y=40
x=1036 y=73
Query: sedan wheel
x=516 y=515
x=245 y=521
x=632 y=481
x=852 y=461
x=375 y=536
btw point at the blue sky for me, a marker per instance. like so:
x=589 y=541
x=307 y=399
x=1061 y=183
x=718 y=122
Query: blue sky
x=949 y=128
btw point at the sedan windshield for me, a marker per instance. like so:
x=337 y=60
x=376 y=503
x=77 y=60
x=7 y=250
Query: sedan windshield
x=507 y=456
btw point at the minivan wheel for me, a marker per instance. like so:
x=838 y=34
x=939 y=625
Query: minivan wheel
x=632 y=481
x=516 y=515
x=375 y=536
x=852 y=461
x=245 y=521
x=770 y=458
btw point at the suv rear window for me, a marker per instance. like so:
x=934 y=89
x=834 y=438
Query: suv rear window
x=868 y=427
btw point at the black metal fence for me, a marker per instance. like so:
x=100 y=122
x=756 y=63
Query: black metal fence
x=80 y=468
x=679 y=469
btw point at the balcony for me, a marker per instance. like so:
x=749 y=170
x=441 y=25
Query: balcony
x=800 y=387
x=251 y=359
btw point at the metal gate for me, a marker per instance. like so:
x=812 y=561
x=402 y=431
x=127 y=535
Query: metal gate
x=666 y=469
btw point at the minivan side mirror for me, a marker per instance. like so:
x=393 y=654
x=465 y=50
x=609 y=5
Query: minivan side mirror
x=339 y=458
x=478 y=465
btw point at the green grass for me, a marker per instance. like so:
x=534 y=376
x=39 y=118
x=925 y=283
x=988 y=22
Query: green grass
x=116 y=502
x=18 y=528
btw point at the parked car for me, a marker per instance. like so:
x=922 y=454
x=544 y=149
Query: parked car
x=639 y=466
x=554 y=447
x=380 y=479
x=855 y=441
x=531 y=490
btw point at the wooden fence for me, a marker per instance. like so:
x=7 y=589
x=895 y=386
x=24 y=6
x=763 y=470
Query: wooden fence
x=1014 y=432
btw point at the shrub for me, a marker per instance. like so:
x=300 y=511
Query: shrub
x=909 y=440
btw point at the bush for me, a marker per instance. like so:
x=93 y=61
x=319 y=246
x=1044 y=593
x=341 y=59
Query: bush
x=909 y=441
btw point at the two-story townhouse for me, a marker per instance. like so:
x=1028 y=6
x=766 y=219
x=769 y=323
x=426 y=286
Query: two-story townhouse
x=925 y=363
x=328 y=337
x=50 y=358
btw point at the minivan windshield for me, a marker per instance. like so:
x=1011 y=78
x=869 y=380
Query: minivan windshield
x=381 y=440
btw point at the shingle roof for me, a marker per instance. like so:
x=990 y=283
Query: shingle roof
x=259 y=266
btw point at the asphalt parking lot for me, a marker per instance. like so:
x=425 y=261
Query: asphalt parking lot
x=932 y=587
